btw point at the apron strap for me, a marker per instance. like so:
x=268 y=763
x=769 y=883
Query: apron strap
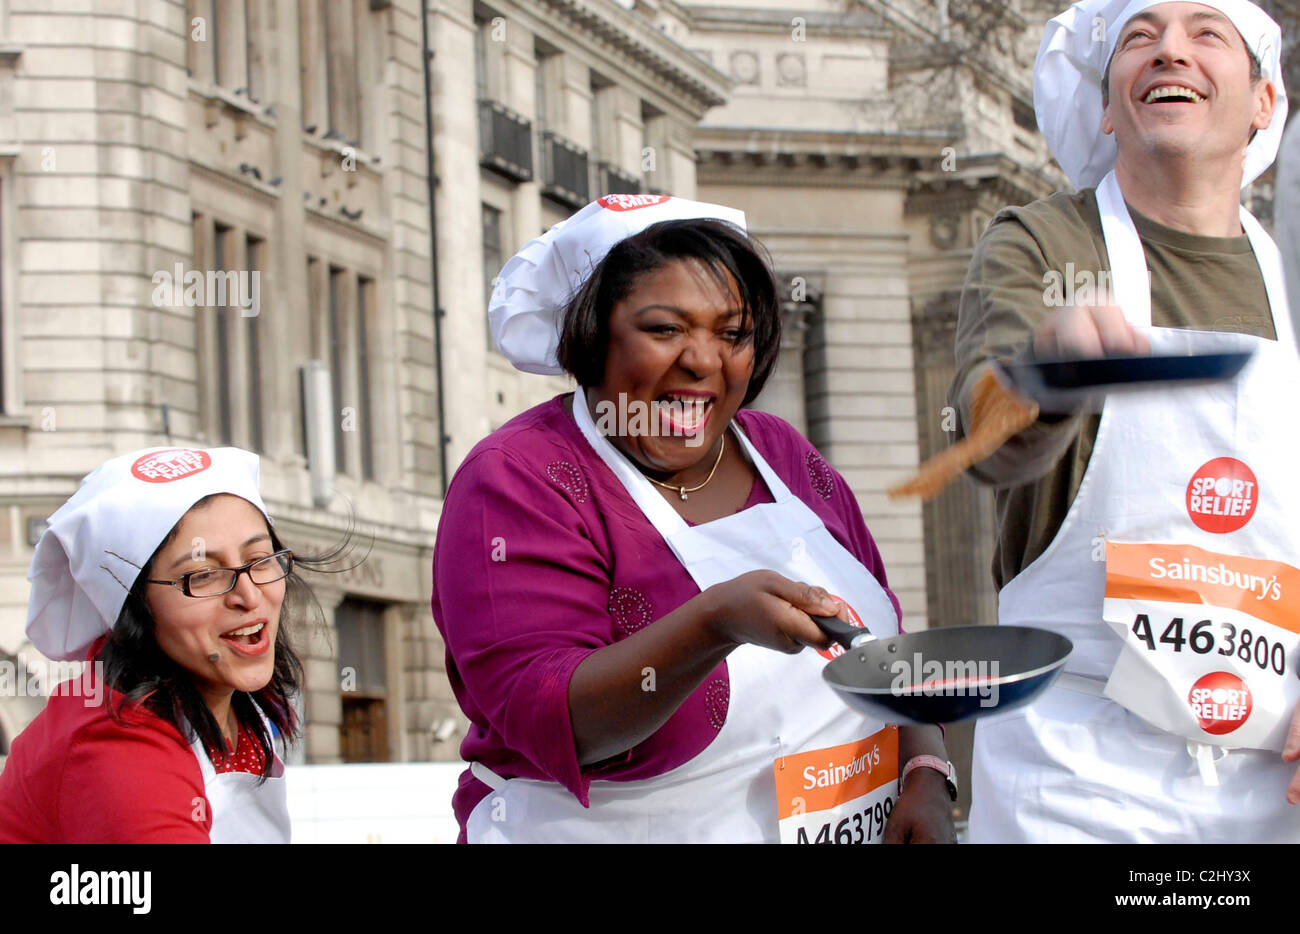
x=1130 y=281
x=1270 y=265
x=487 y=776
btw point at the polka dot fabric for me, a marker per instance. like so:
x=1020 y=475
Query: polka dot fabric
x=247 y=757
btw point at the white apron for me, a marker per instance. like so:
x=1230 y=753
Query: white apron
x=1077 y=766
x=779 y=706
x=242 y=810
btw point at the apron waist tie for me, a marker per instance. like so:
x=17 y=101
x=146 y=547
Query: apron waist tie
x=1206 y=756
x=1203 y=754
x=487 y=776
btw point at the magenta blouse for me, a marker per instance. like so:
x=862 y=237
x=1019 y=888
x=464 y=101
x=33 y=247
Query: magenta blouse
x=542 y=557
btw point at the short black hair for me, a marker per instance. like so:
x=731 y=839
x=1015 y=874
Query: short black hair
x=724 y=249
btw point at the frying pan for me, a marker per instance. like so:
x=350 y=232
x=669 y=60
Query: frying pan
x=1064 y=385
x=942 y=675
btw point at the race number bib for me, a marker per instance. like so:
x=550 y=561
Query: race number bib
x=842 y=794
x=1210 y=642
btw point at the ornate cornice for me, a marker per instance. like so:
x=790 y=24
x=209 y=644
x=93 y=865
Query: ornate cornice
x=976 y=179
x=633 y=37
x=817 y=158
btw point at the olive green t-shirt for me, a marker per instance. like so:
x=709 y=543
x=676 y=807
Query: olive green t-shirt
x=1202 y=283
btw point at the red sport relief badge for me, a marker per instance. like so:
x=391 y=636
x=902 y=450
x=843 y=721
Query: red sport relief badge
x=836 y=650
x=1222 y=495
x=166 y=466
x=630 y=202
x=1220 y=702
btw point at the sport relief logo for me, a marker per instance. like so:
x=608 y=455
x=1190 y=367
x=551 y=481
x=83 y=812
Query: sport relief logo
x=630 y=202
x=174 y=464
x=1220 y=701
x=1222 y=495
x=836 y=650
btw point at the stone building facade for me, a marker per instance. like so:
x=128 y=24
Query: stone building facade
x=154 y=142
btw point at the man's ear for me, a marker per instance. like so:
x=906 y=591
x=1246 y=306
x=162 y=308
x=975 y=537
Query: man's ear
x=1106 y=126
x=1266 y=104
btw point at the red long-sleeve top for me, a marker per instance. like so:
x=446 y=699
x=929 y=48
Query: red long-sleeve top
x=76 y=775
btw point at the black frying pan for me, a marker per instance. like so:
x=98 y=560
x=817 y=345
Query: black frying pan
x=942 y=675
x=1065 y=385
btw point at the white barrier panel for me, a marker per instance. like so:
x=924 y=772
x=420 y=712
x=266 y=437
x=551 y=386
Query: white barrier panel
x=408 y=802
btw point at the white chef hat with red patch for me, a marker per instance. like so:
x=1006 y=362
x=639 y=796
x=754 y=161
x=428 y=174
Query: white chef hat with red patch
x=97 y=542
x=1072 y=58
x=538 y=281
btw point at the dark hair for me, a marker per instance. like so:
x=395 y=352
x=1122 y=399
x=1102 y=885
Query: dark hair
x=136 y=667
x=724 y=249
x=1256 y=72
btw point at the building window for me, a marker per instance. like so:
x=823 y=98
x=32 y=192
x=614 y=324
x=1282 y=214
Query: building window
x=313 y=81
x=365 y=306
x=337 y=363
x=349 y=326
x=4 y=309
x=364 y=674
x=314 y=303
x=481 y=28
x=221 y=314
x=256 y=402
x=492 y=258
x=339 y=73
x=228 y=263
x=258 y=43
x=228 y=44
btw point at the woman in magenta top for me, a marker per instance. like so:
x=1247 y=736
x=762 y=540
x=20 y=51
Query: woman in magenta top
x=578 y=644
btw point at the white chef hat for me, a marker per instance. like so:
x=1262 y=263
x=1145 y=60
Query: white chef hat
x=538 y=281
x=1072 y=58
x=100 y=539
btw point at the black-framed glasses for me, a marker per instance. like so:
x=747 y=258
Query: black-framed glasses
x=213 y=582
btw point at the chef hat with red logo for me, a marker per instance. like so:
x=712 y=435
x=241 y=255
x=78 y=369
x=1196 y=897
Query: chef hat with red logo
x=99 y=540
x=1072 y=58
x=538 y=281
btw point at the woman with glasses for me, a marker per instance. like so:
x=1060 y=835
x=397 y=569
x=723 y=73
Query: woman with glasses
x=164 y=574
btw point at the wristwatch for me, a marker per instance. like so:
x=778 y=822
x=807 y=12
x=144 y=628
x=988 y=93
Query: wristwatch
x=939 y=765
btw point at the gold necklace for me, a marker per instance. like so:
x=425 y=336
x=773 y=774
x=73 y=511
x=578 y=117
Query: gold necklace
x=681 y=490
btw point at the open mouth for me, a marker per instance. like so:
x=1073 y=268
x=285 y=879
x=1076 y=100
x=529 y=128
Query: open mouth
x=250 y=640
x=1172 y=94
x=683 y=414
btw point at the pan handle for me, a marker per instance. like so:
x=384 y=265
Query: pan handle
x=843 y=633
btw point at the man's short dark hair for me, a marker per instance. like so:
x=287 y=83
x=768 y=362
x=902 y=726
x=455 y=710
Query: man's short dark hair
x=723 y=249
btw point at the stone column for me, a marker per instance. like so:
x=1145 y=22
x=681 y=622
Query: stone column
x=318 y=649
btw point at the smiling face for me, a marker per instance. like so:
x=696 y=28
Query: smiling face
x=1180 y=87
x=677 y=348
x=232 y=532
